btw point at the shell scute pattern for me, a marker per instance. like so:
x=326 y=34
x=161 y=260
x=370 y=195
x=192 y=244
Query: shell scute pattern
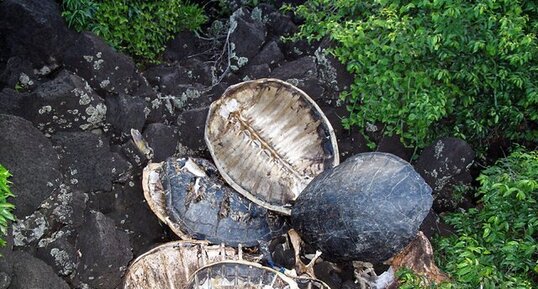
x=269 y=140
x=189 y=196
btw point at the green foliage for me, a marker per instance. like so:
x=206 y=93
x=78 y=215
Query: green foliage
x=426 y=68
x=137 y=27
x=6 y=208
x=496 y=245
x=407 y=279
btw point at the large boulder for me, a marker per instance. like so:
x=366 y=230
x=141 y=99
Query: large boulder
x=445 y=166
x=59 y=251
x=191 y=126
x=130 y=212
x=304 y=67
x=35 y=30
x=246 y=36
x=105 y=251
x=86 y=160
x=66 y=103
x=367 y=208
x=184 y=44
x=11 y=102
x=162 y=139
x=108 y=71
x=32 y=161
x=124 y=113
x=30 y=272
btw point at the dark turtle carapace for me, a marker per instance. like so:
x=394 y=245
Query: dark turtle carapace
x=188 y=194
x=368 y=208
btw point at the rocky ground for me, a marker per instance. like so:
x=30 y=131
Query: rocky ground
x=68 y=102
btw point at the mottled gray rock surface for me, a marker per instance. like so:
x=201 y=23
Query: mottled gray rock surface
x=34 y=29
x=32 y=161
x=86 y=160
x=444 y=165
x=162 y=139
x=367 y=208
x=66 y=103
x=32 y=273
x=108 y=71
x=105 y=252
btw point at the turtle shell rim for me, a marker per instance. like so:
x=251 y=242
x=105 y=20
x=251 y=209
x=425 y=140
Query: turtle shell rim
x=232 y=89
x=289 y=280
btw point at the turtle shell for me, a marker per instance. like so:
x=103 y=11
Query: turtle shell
x=189 y=196
x=170 y=265
x=368 y=208
x=310 y=283
x=239 y=274
x=269 y=139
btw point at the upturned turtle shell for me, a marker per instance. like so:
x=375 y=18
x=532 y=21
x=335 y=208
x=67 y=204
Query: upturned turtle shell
x=368 y=208
x=269 y=139
x=189 y=196
x=171 y=265
x=239 y=274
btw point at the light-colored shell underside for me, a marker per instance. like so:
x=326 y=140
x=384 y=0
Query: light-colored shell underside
x=171 y=265
x=154 y=195
x=240 y=274
x=269 y=139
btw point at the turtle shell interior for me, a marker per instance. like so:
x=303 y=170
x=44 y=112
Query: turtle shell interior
x=239 y=274
x=269 y=139
x=172 y=264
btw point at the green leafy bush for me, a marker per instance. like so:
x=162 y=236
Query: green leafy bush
x=426 y=68
x=496 y=244
x=137 y=27
x=6 y=208
x=407 y=279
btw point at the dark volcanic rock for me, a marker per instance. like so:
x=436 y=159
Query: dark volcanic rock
x=393 y=145
x=66 y=103
x=350 y=141
x=270 y=55
x=246 y=37
x=191 y=125
x=30 y=272
x=303 y=67
x=444 y=165
x=331 y=71
x=256 y=71
x=11 y=102
x=106 y=70
x=183 y=45
x=18 y=73
x=32 y=161
x=162 y=139
x=59 y=252
x=131 y=213
x=125 y=113
x=367 y=208
x=86 y=160
x=105 y=252
x=280 y=25
x=34 y=29
x=120 y=168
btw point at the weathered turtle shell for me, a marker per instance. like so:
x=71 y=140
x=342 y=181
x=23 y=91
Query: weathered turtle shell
x=188 y=195
x=171 y=265
x=368 y=208
x=310 y=283
x=269 y=139
x=239 y=274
